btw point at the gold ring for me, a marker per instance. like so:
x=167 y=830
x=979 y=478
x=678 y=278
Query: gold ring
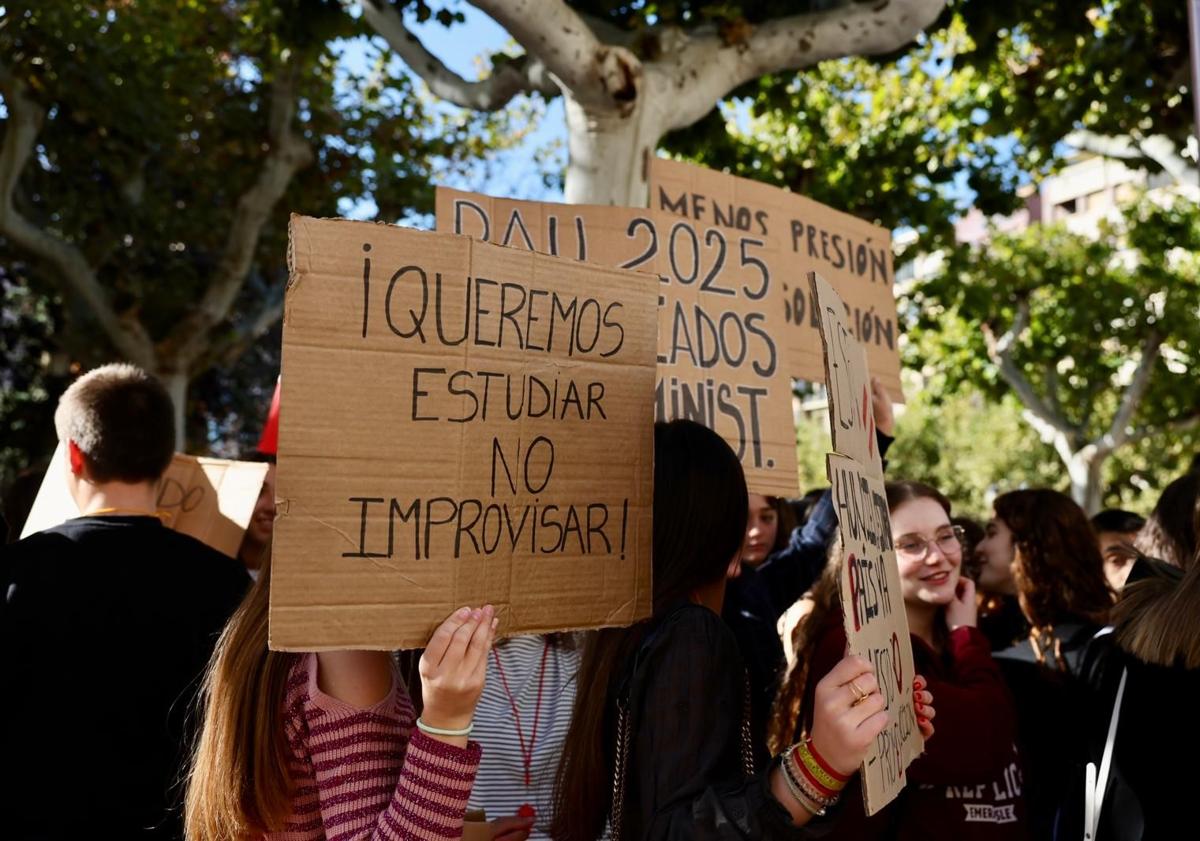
x=859 y=695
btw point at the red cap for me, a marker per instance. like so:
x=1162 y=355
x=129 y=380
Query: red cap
x=268 y=444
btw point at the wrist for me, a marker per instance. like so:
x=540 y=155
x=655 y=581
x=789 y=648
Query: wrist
x=442 y=720
x=809 y=779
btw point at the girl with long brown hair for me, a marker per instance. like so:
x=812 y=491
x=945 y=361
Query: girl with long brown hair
x=1060 y=584
x=327 y=745
x=966 y=786
x=1057 y=569
x=657 y=747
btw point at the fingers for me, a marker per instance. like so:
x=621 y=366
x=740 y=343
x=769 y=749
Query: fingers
x=859 y=714
x=923 y=706
x=457 y=649
x=847 y=670
x=925 y=716
x=438 y=643
x=481 y=641
x=512 y=835
x=861 y=688
x=872 y=726
x=966 y=590
x=511 y=829
x=503 y=825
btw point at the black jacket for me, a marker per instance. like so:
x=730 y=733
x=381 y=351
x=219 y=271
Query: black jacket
x=685 y=776
x=1053 y=705
x=1152 y=786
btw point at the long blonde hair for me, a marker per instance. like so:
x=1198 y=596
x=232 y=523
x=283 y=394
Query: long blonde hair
x=238 y=783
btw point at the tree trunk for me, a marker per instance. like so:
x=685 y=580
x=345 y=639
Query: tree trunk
x=1086 y=469
x=176 y=384
x=609 y=153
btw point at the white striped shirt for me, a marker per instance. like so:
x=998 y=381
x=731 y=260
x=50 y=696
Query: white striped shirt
x=500 y=782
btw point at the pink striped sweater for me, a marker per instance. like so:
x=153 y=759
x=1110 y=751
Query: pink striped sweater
x=368 y=773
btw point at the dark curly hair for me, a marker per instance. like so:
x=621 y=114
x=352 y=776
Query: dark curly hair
x=1057 y=565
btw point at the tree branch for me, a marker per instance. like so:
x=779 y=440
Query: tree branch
x=708 y=68
x=1120 y=148
x=1119 y=431
x=74 y=276
x=1052 y=388
x=1000 y=351
x=1163 y=151
x=1179 y=424
x=228 y=351
x=1157 y=149
x=872 y=28
x=288 y=154
x=595 y=74
x=523 y=75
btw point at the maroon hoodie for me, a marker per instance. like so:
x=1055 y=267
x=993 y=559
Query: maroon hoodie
x=967 y=784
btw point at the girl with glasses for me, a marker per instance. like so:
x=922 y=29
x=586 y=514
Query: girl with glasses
x=967 y=785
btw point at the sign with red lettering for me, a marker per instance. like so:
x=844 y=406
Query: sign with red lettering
x=872 y=605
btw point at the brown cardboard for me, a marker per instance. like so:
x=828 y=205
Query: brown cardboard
x=875 y=622
x=712 y=284
x=377 y=427
x=848 y=381
x=872 y=604
x=798 y=235
x=210 y=499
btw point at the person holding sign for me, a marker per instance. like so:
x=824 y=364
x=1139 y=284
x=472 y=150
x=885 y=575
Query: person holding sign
x=967 y=786
x=309 y=746
x=769 y=584
x=106 y=623
x=659 y=742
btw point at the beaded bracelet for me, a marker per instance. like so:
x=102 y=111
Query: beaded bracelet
x=822 y=798
x=806 y=802
x=441 y=731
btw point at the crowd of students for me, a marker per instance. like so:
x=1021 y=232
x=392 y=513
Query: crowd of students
x=141 y=700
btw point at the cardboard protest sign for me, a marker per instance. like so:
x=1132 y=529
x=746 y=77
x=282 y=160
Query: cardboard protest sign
x=795 y=235
x=211 y=499
x=847 y=378
x=872 y=605
x=719 y=314
x=460 y=424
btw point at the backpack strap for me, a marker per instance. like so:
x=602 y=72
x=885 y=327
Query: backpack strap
x=1096 y=782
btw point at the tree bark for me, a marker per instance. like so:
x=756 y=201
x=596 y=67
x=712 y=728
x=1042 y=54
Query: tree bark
x=608 y=155
x=1086 y=471
x=176 y=384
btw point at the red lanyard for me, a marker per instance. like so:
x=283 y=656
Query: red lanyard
x=526 y=752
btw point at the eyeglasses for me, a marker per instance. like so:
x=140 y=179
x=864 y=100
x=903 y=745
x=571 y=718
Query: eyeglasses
x=913 y=547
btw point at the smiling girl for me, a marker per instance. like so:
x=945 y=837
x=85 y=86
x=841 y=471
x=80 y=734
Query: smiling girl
x=967 y=785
